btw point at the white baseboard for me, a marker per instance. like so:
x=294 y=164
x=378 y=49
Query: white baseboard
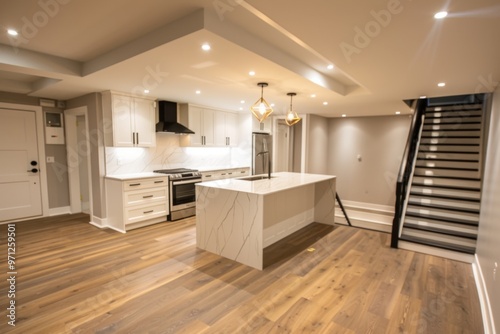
x=366 y=215
x=99 y=222
x=484 y=300
x=64 y=210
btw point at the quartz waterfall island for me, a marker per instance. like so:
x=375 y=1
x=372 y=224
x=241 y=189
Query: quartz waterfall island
x=238 y=218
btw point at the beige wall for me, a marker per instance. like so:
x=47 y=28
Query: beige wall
x=488 y=247
x=57 y=178
x=380 y=142
x=317 y=145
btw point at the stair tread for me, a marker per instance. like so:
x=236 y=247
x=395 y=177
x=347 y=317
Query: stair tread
x=448 y=168
x=446 y=187
x=443 y=245
x=445 y=219
x=443 y=207
x=451 y=160
x=413 y=193
x=441 y=231
x=447 y=177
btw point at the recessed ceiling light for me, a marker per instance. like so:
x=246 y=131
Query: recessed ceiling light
x=440 y=15
x=198 y=92
x=206 y=47
x=272 y=104
x=313 y=95
x=12 y=32
x=325 y=103
x=251 y=73
x=441 y=84
x=398 y=112
x=146 y=91
x=344 y=115
x=242 y=101
x=423 y=97
x=330 y=67
x=241 y=108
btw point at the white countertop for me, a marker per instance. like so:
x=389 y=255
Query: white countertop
x=278 y=182
x=133 y=176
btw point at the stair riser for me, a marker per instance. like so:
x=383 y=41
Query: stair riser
x=440 y=237
x=455 y=108
x=452 y=120
x=448 y=156
x=447 y=148
x=447 y=164
x=446 y=172
x=473 y=195
x=443 y=202
x=451 y=127
x=445 y=140
x=446 y=227
x=418 y=180
x=471 y=218
x=439 y=134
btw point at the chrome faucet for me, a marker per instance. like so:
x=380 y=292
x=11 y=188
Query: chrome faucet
x=268 y=162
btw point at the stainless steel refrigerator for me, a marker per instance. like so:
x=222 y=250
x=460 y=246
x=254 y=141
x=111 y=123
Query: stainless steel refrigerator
x=262 y=153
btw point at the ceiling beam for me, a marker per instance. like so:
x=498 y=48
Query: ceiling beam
x=169 y=32
x=26 y=61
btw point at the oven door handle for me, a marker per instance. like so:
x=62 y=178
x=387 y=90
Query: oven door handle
x=175 y=183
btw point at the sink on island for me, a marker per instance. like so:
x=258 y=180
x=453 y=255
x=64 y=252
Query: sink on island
x=238 y=218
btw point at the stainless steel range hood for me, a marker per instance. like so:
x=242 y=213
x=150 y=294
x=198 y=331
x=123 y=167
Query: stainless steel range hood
x=167 y=116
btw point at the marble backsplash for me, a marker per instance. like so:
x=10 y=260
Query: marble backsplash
x=169 y=154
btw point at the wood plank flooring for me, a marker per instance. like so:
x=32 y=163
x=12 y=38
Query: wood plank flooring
x=75 y=278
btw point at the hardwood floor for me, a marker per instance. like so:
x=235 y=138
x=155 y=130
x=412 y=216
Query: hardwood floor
x=75 y=278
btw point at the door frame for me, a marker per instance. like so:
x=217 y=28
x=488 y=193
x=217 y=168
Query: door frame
x=74 y=171
x=41 y=151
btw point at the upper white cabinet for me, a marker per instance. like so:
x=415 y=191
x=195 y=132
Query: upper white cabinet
x=226 y=131
x=211 y=127
x=132 y=120
x=266 y=126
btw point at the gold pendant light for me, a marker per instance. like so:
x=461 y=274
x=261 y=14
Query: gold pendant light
x=261 y=109
x=291 y=116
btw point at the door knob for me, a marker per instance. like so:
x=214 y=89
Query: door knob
x=33 y=163
x=33 y=170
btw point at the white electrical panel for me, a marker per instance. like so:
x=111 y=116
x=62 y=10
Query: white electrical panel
x=54 y=128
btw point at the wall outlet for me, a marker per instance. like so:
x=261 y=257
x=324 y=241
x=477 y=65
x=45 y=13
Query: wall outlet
x=50 y=160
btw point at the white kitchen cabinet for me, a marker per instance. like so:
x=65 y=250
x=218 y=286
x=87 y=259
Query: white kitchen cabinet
x=136 y=202
x=226 y=131
x=221 y=174
x=212 y=127
x=130 y=120
x=266 y=126
x=201 y=121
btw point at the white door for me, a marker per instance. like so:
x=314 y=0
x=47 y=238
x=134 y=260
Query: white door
x=20 y=191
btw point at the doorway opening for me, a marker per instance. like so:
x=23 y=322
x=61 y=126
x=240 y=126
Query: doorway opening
x=78 y=151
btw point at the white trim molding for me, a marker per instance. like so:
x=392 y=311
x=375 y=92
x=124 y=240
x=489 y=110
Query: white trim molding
x=484 y=300
x=63 y=210
x=366 y=215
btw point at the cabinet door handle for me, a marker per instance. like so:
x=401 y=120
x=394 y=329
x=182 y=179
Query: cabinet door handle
x=161 y=181
x=148 y=196
x=150 y=211
x=133 y=138
x=137 y=134
x=134 y=184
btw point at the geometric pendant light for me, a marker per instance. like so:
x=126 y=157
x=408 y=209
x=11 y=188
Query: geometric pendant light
x=291 y=117
x=261 y=109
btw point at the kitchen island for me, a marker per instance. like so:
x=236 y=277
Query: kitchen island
x=238 y=218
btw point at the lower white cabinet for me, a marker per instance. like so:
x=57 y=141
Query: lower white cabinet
x=224 y=174
x=136 y=202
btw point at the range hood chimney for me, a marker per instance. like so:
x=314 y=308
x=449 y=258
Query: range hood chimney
x=167 y=115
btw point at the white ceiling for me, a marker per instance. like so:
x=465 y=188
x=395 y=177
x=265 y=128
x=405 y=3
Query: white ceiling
x=384 y=51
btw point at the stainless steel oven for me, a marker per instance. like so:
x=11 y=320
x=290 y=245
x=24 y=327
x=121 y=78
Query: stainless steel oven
x=182 y=192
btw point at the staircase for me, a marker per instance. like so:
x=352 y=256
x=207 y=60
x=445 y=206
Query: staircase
x=444 y=198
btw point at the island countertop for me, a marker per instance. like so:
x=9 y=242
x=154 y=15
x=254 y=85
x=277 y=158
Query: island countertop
x=278 y=182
